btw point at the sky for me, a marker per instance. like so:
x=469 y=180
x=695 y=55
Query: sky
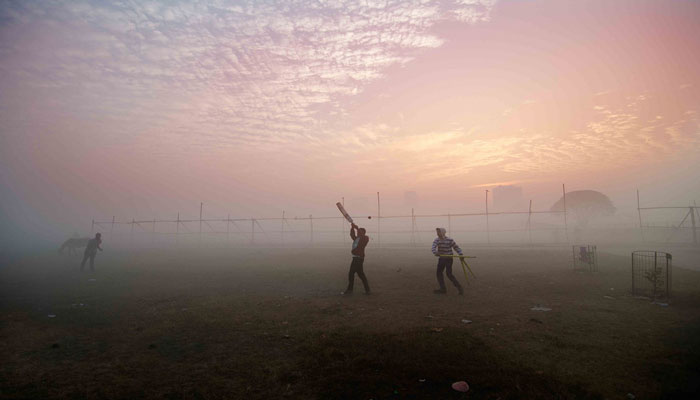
x=146 y=108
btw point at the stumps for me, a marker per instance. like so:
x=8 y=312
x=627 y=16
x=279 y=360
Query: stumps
x=585 y=258
x=651 y=274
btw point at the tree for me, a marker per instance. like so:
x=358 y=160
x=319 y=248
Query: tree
x=585 y=205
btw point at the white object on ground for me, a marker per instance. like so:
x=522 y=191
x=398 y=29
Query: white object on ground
x=52 y=315
x=540 y=308
x=466 y=321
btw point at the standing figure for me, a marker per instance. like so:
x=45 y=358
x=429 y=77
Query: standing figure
x=359 y=242
x=91 y=251
x=443 y=245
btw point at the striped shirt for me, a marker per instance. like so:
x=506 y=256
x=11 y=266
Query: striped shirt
x=445 y=245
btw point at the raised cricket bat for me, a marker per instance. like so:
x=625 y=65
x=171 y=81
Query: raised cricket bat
x=345 y=213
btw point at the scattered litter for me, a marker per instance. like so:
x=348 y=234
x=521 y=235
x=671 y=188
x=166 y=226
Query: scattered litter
x=460 y=386
x=429 y=317
x=540 y=308
x=286 y=337
x=612 y=288
x=660 y=304
x=398 y=270
x=436 y=329
x=52 y=315
x=285 y=323
x=421 y=380
x=535 y=320
x=466 y=321
x=609 y=297
x=631 y=396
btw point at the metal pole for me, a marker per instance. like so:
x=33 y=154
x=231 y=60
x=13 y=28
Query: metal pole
x=92 y=227
x=639 y=213
x=201 y=205
x=311 y=226
x=529 y=226
x=177 y=230
x=111 y=229
x=379 y=227
x=566 y=228
x=656 y=274
x=488 y=228
x=228 y=229
x=632 y=273
x=692 y=221
x=131 y=237
x=252 y=231
x=153 y=232
x=413 y=227
x=282 y=231
x=449 y=223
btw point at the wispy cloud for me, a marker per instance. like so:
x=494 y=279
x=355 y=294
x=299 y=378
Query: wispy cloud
x=216 y=73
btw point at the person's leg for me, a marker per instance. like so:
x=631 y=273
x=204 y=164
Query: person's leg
x=451 y=277
x=92 y=262
x=82 y=263
x=440 y=268
x=351 y=276
x=361 y=273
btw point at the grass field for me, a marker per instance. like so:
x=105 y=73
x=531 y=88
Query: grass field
x=258 y=323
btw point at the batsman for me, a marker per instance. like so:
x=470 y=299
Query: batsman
x=442 y=246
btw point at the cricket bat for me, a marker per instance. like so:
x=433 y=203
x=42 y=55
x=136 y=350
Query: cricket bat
x=345 y=213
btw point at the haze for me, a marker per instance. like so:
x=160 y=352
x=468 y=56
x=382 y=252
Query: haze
x=146 y=109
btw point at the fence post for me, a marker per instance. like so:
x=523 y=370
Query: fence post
x=131 y=236
x=413 y=228
x=566 y=228
x=379 y=226
x=529 y=222
x=252 y=230
x=153 y=233
x=111 y=229
x=228 y=229
x=633 y=273
x=311 y=225
x=200 y=222
x=692 y=221
x=177 y=230
x=488 y=228
x=282 y=231
x=449 y=224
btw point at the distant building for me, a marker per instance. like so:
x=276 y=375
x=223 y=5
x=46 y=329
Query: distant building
x=508 y=198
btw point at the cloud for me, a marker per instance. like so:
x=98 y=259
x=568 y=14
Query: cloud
x=215 y=73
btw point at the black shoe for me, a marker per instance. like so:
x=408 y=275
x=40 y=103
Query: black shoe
x=440 y=291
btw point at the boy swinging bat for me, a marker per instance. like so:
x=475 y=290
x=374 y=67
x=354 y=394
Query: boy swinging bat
x=359 y=242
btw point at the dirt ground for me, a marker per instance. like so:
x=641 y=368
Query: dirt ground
x=264 y=323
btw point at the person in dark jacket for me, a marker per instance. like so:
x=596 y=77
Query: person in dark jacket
x=359 y=242
x=91 y=251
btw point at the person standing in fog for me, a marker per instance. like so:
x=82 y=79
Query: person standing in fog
x=359 y=242
x=443 y=245
x=91 y=251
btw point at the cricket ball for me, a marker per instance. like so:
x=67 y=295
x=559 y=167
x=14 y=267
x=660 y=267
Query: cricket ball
x=370 y=217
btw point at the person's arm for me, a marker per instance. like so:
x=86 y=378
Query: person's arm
x=352 y=231
x=435 y=246
x=456 y=247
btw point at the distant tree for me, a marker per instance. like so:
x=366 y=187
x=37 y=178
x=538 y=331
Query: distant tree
x=585 y=205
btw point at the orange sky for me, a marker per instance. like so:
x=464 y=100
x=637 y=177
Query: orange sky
x=141 y=111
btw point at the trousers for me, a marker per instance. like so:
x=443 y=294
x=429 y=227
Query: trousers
x=445 y=263
x=356 y=267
